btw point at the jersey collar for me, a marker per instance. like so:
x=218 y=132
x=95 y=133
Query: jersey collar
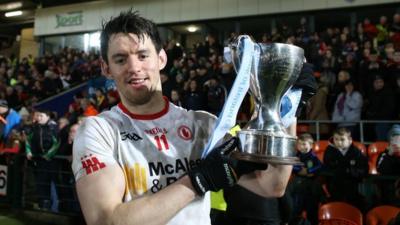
x=147 y=116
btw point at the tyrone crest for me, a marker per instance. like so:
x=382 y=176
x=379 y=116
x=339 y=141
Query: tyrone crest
x=185 y=133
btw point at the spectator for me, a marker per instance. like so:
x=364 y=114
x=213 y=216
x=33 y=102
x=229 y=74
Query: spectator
x=176 y=98
x=304 y=188
x=167 y=84
x=388 y=163
x=394 y=31
x=9 y=121
x=216 y=95
x=317 y=109
x=347 y=166
x=194 y=97
x=41 y=145
x=347 y=110
x=382 y=31
x=381 y=105
x=88 y=107
x=341 y=79
x=369 y=29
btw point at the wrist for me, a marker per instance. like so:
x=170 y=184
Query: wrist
x=198 y=182
x=186 y=182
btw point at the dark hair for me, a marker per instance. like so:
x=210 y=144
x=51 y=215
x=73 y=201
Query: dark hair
x=342 y=131
x=129 y=22
x=306 y=137
x=43 y=110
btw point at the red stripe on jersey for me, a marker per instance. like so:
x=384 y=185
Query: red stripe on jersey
x=148 y=116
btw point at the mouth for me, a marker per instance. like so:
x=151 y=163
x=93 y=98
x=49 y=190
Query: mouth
x=137 y=82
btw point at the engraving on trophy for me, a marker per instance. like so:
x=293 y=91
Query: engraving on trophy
x=264 y=139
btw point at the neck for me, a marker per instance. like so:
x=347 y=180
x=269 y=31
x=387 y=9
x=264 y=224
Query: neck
x=155 y=105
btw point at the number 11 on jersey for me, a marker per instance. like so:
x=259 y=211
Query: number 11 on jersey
x=162 y=142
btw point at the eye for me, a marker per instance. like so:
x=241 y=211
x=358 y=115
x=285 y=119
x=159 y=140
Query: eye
x=143 y=56
x=120 y=60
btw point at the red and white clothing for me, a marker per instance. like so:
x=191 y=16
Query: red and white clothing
x=152 y=150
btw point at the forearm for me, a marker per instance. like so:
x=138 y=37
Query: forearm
x=268 y=183
x=155 y=209
x=101 y=197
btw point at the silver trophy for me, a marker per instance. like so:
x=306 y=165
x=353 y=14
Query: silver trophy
x=274 y=69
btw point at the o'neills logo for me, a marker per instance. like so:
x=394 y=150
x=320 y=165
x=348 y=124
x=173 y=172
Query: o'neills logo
x=69 y=19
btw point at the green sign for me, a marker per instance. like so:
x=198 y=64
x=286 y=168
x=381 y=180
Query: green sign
x=69 y=19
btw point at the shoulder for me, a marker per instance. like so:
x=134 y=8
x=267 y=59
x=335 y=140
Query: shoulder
x=192 y=114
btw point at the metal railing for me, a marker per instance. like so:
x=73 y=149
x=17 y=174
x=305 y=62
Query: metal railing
x=361 y=125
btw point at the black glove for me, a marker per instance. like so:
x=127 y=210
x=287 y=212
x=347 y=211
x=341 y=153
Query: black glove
x=307 y=83
x=218 y=170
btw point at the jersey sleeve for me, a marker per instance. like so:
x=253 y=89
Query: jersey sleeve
x=94 y=147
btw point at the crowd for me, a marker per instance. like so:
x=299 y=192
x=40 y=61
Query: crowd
x=358 y=71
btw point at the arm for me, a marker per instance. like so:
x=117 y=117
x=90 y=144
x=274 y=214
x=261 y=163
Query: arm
x=109 y=183
x=354 y=101
x=101 y=189
x=28 y=149
x=53 y=149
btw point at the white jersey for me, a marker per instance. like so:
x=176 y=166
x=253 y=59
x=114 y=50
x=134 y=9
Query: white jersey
x=153 y=151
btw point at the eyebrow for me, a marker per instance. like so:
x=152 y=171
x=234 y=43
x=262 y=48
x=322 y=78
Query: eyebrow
x=140 y=51
x=118 y=55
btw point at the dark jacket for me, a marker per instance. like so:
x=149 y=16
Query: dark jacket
x=388 y=164
x=42 y=140
x=351 y=165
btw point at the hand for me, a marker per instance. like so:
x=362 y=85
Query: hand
x=218 y=170
x=307 y=83
x=29 y=156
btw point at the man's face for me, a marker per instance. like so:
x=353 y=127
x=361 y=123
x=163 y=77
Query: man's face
x=378 y=84
x=303 y=146
x=342 y=141
x=42 y=118
x=135 y=67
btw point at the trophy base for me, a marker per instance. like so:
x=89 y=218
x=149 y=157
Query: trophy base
x=266 y=147
x=267 y=159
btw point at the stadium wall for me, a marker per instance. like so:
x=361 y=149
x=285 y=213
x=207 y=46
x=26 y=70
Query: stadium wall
x=85 y=17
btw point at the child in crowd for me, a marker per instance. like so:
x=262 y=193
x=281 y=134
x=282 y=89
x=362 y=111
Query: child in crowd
x=388 y=164
x=346 y=166
x=305 y=189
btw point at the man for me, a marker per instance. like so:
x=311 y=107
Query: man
x=41 y=145
x=139 y=163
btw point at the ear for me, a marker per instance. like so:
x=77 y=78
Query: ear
x=162 y=59
x=105 y=69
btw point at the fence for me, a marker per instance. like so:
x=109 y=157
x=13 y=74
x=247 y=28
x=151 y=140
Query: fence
x=365 y=129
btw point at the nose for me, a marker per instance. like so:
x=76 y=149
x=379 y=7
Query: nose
x=134 y=64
